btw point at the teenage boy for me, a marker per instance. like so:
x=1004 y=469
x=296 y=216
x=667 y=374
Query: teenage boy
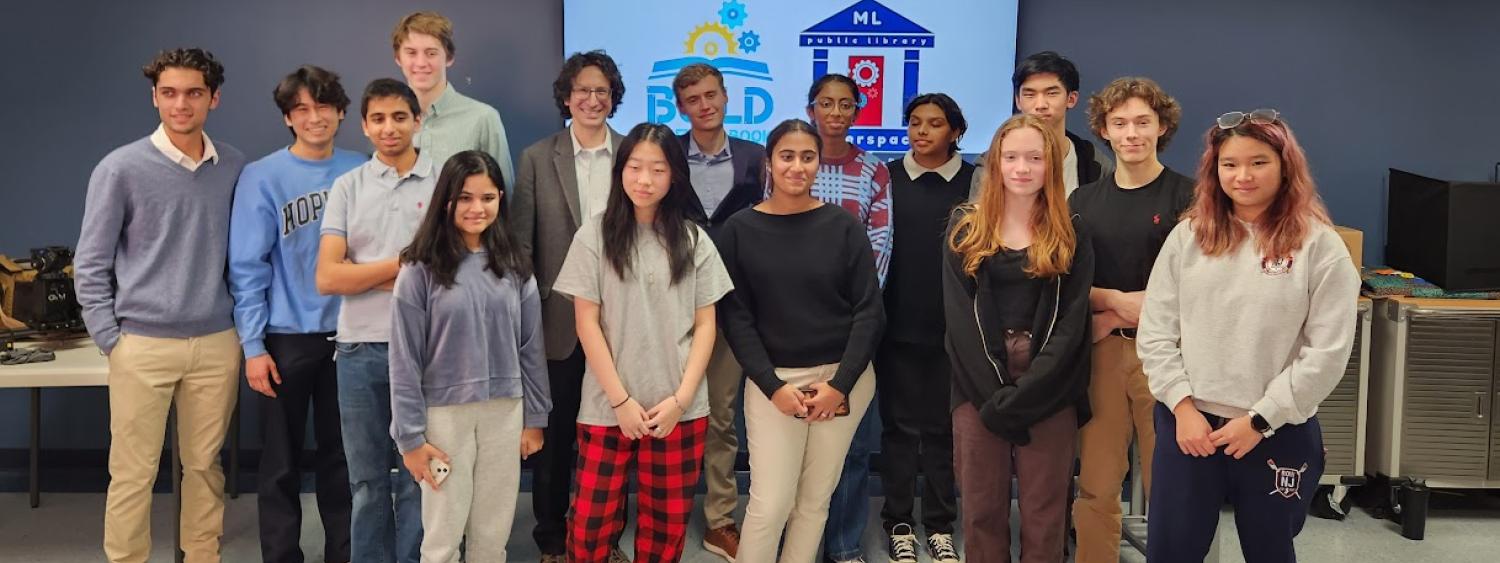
x=727 y=175
x=1130 y=212
x=373 y=212
x=564 y=179
x=1046 y=86
x=149 y=275
x=286 y=327
x=451 y=122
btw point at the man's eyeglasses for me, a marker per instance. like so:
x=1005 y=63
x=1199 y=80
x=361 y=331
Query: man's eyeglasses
x=601 y=93
x=1259 y=117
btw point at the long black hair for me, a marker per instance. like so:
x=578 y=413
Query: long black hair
x=438 y=244
x=673 y=225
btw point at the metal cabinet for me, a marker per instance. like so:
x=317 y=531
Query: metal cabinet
x=1433 y=385
x=1343 y=415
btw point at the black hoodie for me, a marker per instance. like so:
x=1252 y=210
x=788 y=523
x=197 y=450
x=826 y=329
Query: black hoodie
x=1061 y=345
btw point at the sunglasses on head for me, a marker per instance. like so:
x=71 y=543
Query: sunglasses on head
x=1260 y=117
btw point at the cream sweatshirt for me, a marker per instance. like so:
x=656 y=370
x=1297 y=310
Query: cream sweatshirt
x=1239 y=333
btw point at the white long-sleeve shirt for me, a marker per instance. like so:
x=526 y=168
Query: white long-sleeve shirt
x=1239 y=333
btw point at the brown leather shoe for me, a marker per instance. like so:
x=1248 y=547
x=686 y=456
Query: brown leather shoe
x=554 y=558
x=723 y=541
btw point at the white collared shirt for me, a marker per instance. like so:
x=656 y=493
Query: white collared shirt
x=164 y=144
x=948 y=169
x=592 y=165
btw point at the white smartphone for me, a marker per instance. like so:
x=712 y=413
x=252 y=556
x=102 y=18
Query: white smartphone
x=439 y=470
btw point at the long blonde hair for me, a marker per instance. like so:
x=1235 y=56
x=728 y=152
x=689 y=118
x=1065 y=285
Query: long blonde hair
x=976 y=236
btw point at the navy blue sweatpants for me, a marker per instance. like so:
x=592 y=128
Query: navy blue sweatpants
x=1270 y=488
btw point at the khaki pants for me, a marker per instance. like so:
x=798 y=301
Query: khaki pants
x=794 y=466
x=1122 y=403
x=146 y=375
x=722 y=443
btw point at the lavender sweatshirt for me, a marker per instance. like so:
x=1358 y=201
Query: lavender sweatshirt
x=478 y=340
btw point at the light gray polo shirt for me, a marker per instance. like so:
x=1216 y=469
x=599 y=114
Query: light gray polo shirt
x=377 y=212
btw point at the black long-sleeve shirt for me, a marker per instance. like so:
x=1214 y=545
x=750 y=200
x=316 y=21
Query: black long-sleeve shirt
x=805 y=294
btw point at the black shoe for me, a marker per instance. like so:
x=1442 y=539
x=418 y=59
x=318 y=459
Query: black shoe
x=903 y=544
x=940 y=548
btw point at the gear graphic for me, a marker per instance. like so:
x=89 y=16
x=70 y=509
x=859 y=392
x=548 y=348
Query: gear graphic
x=732 y=14
x=749 y=41
x=865 y=73
x=711 y=48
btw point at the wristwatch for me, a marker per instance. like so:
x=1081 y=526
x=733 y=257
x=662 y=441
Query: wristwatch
x=1260 y=424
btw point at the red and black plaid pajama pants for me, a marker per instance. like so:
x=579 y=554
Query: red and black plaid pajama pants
x=666 y=473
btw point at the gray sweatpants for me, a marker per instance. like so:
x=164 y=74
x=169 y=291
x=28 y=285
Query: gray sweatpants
x=478 y=499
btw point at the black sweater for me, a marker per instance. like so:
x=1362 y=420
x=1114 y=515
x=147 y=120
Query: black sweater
x=1060 y=346
x=913 y=290
x=805 y=294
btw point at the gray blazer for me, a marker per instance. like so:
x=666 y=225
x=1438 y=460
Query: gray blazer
x=543 y=215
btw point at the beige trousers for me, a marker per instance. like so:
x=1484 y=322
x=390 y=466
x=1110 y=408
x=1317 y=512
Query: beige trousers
x=722 y=444
x=794 y=466
x=146 y=376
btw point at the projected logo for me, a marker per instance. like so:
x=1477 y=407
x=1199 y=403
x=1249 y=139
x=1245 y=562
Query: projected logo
x=723 y=44
x=882 y=51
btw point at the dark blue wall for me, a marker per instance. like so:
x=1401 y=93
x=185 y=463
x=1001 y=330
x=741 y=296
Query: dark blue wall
x=77 y=92
x=1367 y=85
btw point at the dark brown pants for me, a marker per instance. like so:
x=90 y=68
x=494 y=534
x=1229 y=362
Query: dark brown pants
x=985 y=462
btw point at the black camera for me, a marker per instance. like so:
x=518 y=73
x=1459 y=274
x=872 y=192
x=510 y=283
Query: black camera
x=51 y=260
x=47 y=302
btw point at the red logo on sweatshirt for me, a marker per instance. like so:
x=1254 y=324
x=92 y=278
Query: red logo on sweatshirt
x=1277 y=267
x=1156 y=219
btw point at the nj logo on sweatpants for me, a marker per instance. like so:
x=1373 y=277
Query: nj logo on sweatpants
x=1288 y=481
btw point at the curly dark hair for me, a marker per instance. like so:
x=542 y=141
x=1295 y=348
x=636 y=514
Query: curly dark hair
x=1121 y=90
x=562 y=88
x=188 y=58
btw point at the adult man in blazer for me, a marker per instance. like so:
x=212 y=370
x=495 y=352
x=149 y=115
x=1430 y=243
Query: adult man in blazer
x=563 y=180
x=728 y=176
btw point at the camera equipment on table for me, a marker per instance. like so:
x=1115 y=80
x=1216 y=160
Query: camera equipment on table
x=46 y=301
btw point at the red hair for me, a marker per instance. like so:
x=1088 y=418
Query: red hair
x=976 y=236
x=1281 y=229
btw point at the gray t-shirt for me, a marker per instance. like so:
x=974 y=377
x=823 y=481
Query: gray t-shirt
x=642 y=315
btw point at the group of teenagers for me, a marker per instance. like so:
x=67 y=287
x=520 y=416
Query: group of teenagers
x=440 y=318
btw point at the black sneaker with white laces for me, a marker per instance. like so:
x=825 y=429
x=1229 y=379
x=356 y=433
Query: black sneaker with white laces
x=903 y=544
x=940 y=548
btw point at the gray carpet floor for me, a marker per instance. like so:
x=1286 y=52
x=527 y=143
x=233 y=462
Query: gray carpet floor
x=68 y=527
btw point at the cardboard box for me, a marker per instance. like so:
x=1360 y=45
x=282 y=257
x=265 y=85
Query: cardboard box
x=1355 y=240
x=10 y=273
